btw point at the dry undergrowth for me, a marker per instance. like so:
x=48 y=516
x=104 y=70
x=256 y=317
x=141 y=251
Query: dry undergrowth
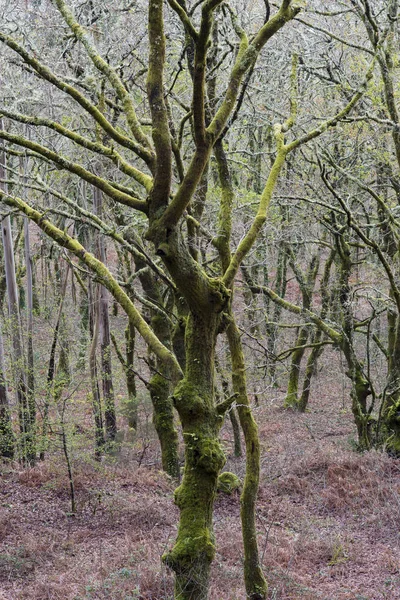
x=329 y=520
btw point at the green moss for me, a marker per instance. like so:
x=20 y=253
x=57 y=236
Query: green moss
x=197 y=542
x=163 y=420
x=291 y=400
x=187 y=400
x=393 y=414
x=228 y=482
x=204 y=452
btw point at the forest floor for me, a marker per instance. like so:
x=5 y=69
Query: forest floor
x=328 y=518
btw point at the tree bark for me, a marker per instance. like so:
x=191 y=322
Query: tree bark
x=6 y=430
x=194 y=549
x=255 y=583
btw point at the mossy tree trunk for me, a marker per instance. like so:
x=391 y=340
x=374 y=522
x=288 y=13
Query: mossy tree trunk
x=255 y=583
x=237 y=442
x=160 y=383
x=389 y=422
x=310 y=370
x=201 y=420
x=163 y=410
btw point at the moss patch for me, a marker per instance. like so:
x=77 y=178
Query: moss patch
x=228 y=482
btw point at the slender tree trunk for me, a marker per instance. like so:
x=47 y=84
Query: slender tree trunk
x=106 y=376
x=6 y=430
x=255 y=583
x=29 y=306
x=237 y=442
x=318 y=335
x=291 y=399
x=105 y=340
x=311 y=367
x=95 y=392
x=130 y=376
x=272 y=328
x=306 y=282
x=127 y=362
x=389 y=422
x=51 y=369
x=360 y=385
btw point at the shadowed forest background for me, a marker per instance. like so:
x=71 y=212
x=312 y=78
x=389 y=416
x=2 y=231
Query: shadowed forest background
x=199 y=300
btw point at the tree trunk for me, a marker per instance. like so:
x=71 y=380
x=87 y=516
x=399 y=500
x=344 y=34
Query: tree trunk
x=29 y=305
x=6 y=431
x=104 y=329
x=95 y=392
x=160 y=383
x=272 y=328
x=50 y=374
x=194 y=549
x=291 y=399
x=237 y=442
x=130 y=376
x=27 y=441
x=255 y=583
x=110 y=419
x=311 y=367
x=389 y=422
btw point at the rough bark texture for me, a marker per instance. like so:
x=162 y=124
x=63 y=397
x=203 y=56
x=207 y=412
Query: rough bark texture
x=194 y=549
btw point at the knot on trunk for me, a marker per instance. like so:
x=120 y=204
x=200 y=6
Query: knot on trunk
x=205 y=452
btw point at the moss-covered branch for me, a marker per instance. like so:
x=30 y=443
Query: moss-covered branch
x=335 y=336
x=199 y=72
x=107 y=151
x=159 y=114
x=105 y=276
x=71 y=91
x=223 y=237
x=340 y=115
x=63 y=163
x=180 y=10
x=111 y=74
x=247 y=56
